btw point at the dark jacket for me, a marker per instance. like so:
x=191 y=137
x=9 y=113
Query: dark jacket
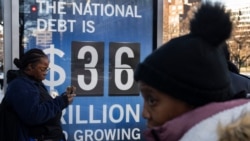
x=239 y=83
x=38 y=112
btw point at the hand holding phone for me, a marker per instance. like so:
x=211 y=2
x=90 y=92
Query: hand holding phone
x=71 y=89
x=70 y=93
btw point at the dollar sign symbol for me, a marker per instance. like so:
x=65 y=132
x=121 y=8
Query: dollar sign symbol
x=52 y=51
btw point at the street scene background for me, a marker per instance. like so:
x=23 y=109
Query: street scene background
x=106 y=42
x=177 y=13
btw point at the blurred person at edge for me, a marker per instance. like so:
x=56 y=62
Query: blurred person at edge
x=186 y=84
x=240 y=83
x=39 y=114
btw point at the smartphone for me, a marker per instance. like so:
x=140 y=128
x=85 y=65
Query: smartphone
x=71 y=90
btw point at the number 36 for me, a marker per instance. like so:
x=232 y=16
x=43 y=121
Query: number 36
x=94 y=67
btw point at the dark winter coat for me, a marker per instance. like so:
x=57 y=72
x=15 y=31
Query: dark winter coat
x=239 y=83
x=38 y=112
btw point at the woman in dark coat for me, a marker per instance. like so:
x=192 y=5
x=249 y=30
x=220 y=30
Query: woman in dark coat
x=38 y=113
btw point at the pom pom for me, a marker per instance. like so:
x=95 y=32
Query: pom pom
x=212 y=23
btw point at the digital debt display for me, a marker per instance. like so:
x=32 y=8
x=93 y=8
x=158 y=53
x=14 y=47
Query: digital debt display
x=94 y=45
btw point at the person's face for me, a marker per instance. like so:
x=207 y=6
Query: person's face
x=40 y=69
x=158 y=107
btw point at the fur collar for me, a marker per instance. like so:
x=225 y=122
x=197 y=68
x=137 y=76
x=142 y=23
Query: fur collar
x=206 y=130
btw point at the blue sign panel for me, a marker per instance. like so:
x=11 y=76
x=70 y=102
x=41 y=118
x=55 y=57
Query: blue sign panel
x=94 y=45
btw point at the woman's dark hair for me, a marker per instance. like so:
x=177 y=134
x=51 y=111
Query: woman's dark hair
x=30 y=57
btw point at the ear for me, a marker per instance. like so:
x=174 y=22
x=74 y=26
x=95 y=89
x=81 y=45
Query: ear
x=29 y=67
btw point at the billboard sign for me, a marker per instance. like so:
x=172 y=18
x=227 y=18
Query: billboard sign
x=94 y=45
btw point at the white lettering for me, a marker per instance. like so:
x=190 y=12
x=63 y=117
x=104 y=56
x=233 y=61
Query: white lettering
x=97 y=9
x=60 y=6
x=115 y=113
x=120 y=111
x=51 y=24
x=92 y=9
x=107 y=134
x=88 y=26
x=41 y=25
x=91 y=115
x=78 y=119
x=88 y=135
